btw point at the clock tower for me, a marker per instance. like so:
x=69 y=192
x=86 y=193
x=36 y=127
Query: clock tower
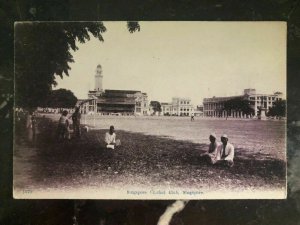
x=98 y=79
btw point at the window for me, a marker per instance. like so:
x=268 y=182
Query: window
x=188 y=109
x=184 y=109
x=187 y=102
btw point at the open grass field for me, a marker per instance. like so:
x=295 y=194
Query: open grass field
x=266 y=138
x=156 y=152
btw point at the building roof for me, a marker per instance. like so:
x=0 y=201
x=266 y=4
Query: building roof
x=213 y=99
x=116 y=100
x=81 y=100
x=122 y=91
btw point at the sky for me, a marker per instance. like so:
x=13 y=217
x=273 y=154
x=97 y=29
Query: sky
x=183 y=59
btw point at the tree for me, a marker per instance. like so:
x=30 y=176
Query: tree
x=43 y=51
x=61 y=98
x=238 y=104
x=278 y=109
x=155 y=106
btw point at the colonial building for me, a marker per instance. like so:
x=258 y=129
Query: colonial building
x=178 y=107
x=214 y=107
x=198 y=111
x=166 y=109
x=120 y=102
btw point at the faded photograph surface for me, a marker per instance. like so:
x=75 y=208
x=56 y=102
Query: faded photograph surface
x=150 y=110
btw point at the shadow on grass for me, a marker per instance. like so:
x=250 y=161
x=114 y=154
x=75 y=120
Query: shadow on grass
x=158 y=159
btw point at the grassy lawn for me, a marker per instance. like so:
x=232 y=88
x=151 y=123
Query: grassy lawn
x=143 y=160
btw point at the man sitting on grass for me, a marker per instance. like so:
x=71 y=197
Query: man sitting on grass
x=210 y=155
x=110 y=138
x=225 y=153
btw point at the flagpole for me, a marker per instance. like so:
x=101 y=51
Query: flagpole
x=95 y=109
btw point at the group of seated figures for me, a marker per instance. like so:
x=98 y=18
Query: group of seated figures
x=218 y=153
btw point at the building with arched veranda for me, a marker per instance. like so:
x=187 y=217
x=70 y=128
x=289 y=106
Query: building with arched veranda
x=107 y=102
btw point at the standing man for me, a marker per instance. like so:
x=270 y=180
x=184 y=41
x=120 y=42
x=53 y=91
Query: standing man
x=31 y=126
x=63 y=127
x=225 y=152
x=192 y=117
x=76 y=122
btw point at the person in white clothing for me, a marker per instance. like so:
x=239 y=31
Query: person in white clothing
x=225 y=153
x=210 y=155
x=110 y=138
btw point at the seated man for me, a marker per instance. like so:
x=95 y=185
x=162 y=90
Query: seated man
x=225 y=152
x=110 y=138
x=210 y=155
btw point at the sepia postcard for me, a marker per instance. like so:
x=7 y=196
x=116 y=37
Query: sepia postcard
x=150 y=110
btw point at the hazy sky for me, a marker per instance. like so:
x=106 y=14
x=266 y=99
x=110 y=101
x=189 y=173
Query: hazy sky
x=183 y=59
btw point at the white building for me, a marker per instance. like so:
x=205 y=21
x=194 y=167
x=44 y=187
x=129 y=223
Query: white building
x=198 y=111
x=214 y=107
x=178 y=107
x=121 y=102
x=166 y=109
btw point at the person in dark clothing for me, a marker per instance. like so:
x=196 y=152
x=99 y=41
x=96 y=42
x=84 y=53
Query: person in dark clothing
x=192 y=117
x=63 y=126
x=76 y=122
x=31 y=127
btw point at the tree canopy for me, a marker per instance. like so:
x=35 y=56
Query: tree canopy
x=238 y=104
x=155 y=106
x=43 y=51
x=278 y=109
x=61 y=98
